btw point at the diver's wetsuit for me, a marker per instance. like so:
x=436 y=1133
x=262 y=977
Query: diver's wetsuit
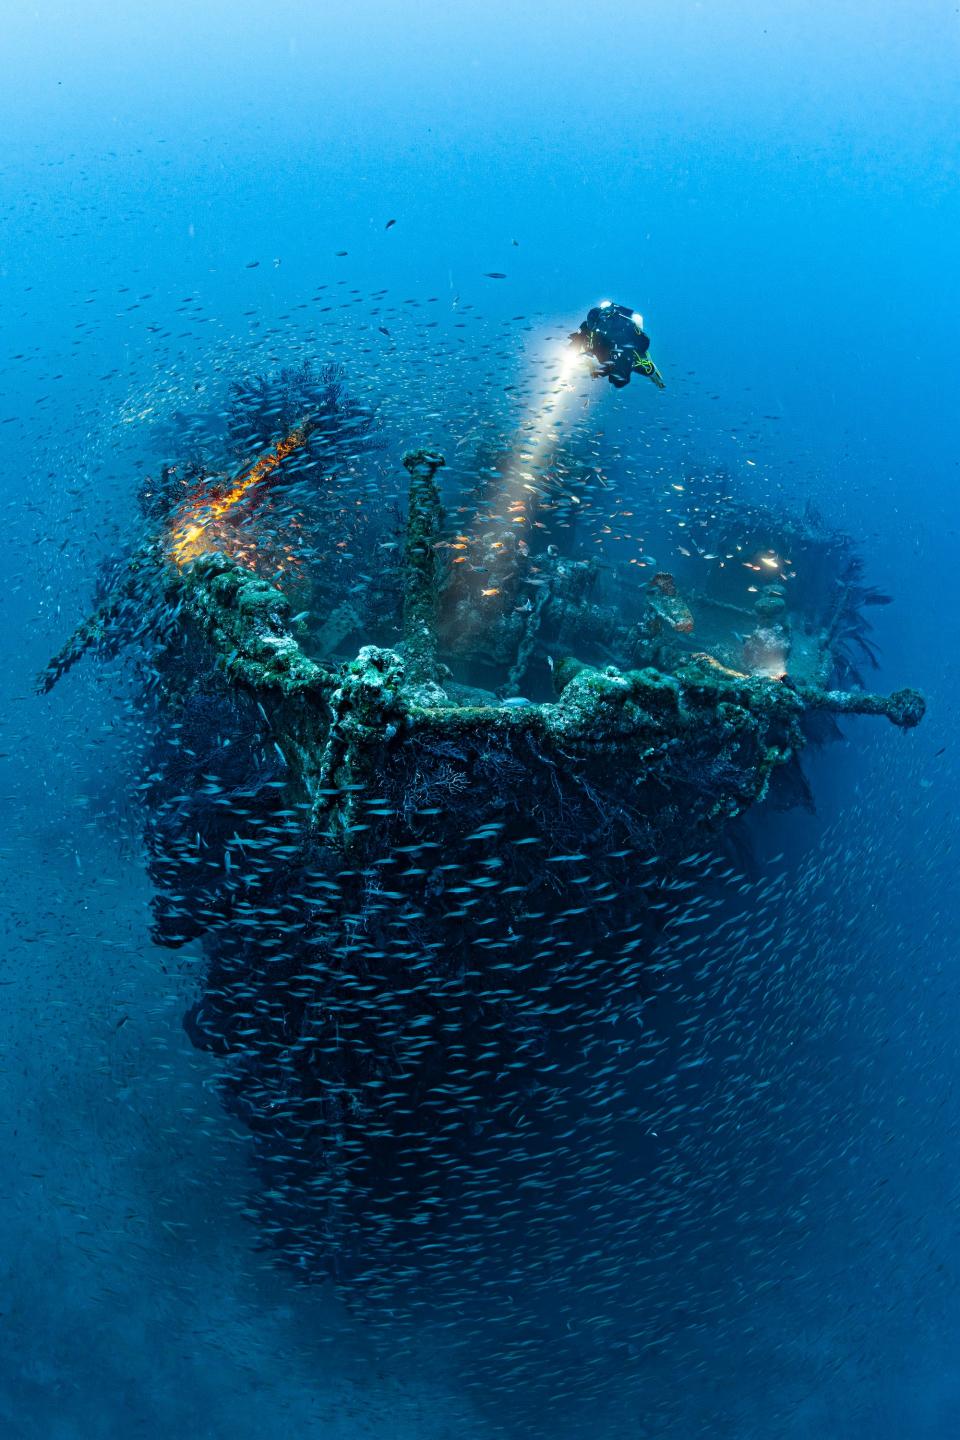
x=618 y=343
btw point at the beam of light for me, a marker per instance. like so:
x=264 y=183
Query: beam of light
x=765 y=652
x=772 y=667
x=189 y=536
x=546 y=425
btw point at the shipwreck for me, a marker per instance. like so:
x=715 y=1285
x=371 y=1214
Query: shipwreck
x=425 y=826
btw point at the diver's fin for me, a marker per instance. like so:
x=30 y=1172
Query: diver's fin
x=645 y=365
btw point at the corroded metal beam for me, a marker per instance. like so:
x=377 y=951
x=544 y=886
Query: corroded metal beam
x=421 y=582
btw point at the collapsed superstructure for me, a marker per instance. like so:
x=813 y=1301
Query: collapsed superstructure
x=429 y=827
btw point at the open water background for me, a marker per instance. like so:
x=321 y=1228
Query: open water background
x=775 y=186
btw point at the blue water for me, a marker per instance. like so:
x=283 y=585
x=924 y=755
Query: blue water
x=775 y=187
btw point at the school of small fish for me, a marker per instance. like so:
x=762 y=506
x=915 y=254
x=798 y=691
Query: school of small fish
x=566 y=1109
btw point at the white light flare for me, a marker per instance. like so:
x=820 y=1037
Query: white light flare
x=547 y=422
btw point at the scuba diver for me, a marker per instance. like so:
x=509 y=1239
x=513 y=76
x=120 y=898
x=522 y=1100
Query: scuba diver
x=613 y=336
